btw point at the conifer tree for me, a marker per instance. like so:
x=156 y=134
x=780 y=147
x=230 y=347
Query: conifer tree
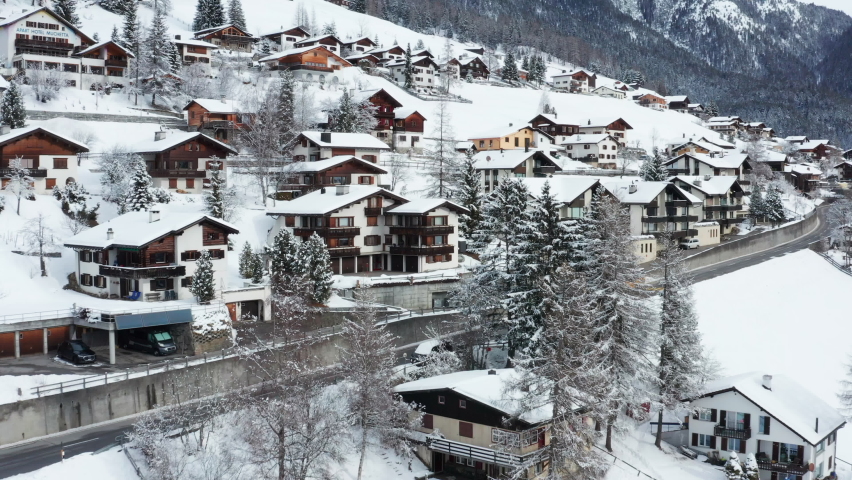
x=774 y=206
x=525 y=63
x=408 y=70
x=680 y=367
x=219 y=199
x=247 y=261
x=12 y=111
x=287 y=107
x=140 y=197
x=96 y=37
x=359 y=6
x=329 y=28
x=653 y=168
x=159 y=52
x=316 y=263
x=757 y=204
x=345 y=115
x=175 y=63
x=712 y=109
x=199 y=22
x=130 y=30
x=67 y=9
x=115 y=36
x=470 y=195
x=235 y=14
x=265 y=49
x=510 y=69
x=284 y=259
x=20 y=182
x=258 y=268
x=203 y=284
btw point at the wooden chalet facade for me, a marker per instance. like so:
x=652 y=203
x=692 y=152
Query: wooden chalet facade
x=553 y=126
x=286 y=39
x=358 y=45
x=581 y=81
x=474 y=68
x=386 y=55
x=50 y=158
x=195 y=51
x=385 y=118
x=308 y=64
x=408 y=128
x=229 y=37
x=329 y=42
x=678 y=103
x=106 y=58
x=616 y=128
x=649 y=100
x=183 y=160
x=305 y=177
x=217 y=118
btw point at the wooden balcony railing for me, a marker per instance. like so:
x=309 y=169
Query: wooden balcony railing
x=177 y=173
x=344 y=252
x=373 y=211
x=138 y=273
x=424 y=230
x=33 y=172
x=721 y=431
x=115 y=63
x=23 y=42
x=782 y=467
x=326 y=232
x=432 y=250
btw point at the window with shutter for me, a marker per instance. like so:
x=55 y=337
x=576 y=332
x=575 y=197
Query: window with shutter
x=466 y=429
x=694 y=439
x=428 y=421
x=724 y=444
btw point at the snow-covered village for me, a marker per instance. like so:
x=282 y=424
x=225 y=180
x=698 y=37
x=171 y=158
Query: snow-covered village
x=425 y=239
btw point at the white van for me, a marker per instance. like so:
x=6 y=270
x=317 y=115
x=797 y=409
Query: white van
x=689 y=244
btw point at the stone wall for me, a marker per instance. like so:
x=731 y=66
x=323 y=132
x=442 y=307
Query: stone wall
x=411 y=296
x=103 y=117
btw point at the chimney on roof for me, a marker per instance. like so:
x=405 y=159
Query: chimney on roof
x=816 y=427
x=510 y=124
x=590 y=121
x=767 y=382
x=160 y=135
x=110 y=233
x=177 y=37
x=325 y=137
x=632 y=188
x=492 y=372
x=153 y=216
x=5 y=129
x=697 y=182
x=342 y=189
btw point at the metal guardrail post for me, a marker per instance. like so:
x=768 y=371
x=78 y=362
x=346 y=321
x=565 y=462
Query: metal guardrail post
x=186 y=361
x=84 y=383
x=167 y=365
x=147 y=369
x=127 y=374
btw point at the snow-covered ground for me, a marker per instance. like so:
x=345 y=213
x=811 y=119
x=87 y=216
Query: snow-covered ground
x=10 y=385
x=788 y=315
x=112 y=464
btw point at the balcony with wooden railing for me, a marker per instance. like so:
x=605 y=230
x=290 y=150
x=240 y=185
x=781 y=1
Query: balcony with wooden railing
x=421 y=250
x=423 y=230
x=790 y=468
x=33 y=172
x=373 y=211
x=327 y=232
x=722 y=431
x=177 y=173
x=25 y=42
x=139 y=273
x=344 y=251
x=115 y=63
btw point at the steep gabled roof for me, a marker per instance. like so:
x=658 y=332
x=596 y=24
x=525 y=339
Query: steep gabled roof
x=175 y=139
x=195 y=43
x=587 y=139
x=363 y=95
x=210 y=30
x=20 y=16
x=401 y=113
x=508 y=159
x=715 y=185
x=788 y=402
x=326 y=200
x=553 y=119
x=215 y=105
x=102 y=44
x=730 y=160
x=295 y=51
x=564 y=188
x=317 y=39
x=302 y=29
x=646 y=192
x=17 y=133
x=134 y=229
x=499 y=132
x=320 y=166
x=346 y=140
x=423 y=206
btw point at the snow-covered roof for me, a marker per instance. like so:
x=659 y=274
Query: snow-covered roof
x=195 y=43
x=16 y=133
x=222 y=27
x=646 y=192
x=426 y=205
x=564 y=188
x=813 y=144
x=134 y=229
x=277 y=32
x=788 y=402
x=350 y=42
x=347 y=140
x=401 y=61
x=600 y=121
x=104 y=43
x=318 y=38
x=707 y=146
x=292 y=51
x=174 y=139
x=506 y=159
x=715 y=185
x=327 y=200
x=216 y=105
x=498 y=132
x=801 y=169
x=718 y=142
x=491 y=390
x=730 y=160
x=772 y=156
x=405 y=112
x=796 y=138
x=322 y=165
x=677 y=98
x=724 y=119
x=584 y=139
x=26 y=13
x=575 y=72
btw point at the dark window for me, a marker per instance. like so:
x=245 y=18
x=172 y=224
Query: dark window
x=462 y=403
x=86 y=279
x=186 y=282
x=441 y=400
x=217 y=253
x=372 y=240
x=60 y=163
x=159 y=257
x=465 y=429
x=428 y=422
x=213 y=236
x=100 y=281
x=85 y=256
x=190 y=255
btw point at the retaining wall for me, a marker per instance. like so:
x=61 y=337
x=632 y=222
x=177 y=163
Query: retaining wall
x=56 y=413
x=753 y=244
x=105 y=117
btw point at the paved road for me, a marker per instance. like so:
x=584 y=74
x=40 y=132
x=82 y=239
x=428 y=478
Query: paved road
x=733 y=265
x=46 y=450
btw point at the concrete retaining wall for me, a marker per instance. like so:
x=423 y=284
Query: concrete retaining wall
x=56 y=413
x=753 y=244
x=104 y=117
x=416 y=296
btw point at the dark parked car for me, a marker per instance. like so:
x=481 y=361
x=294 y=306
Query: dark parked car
x=158 y=342
x=76 y=352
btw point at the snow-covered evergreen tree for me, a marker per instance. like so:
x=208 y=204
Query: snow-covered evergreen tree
x=408 y=70
x=175 y=62
x=287 y=107
x=12 y=111
x=20 y=182
x=350 y=116
x=235 y=13
x=653 y=168
x=208 y=14
x=510 y=69
x=115 y=36
x=680 y=368
x=359 y=6
x=367 y=364
x=67 y=9
x=265 y=48
x=159 y=51
x=329 y=28
x=259 y=269
x=130 y=33
x=733 y=467
x=751 y=471
x=316 y=263
x=203 y=284
x=140 y=195
x=96 y=37
x=470 y=195
x=247 y=261
x=712 y=109
x=774 y=207
x=220 y=200
x=284 y=259
x=757 y=204
x=624 y=324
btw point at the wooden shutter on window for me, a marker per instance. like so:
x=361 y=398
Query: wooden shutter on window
x=801 y=454
x=766 y=425
x=153 y=285
x=170 y=284
x=776 y=448
x=712 y=442
x=694 y=439
x=724 y=444
x=722 y=417
x=428 y=421
x=747 y=420
x=465 y=429
x=183 y=256
x=743 y=445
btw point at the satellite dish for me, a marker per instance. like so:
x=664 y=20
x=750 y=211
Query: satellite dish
x=488 y=158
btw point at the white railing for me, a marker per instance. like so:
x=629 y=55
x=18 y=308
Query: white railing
x=36 y=316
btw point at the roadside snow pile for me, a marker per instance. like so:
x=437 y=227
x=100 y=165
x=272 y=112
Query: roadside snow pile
x=786 y=316
x=112 y=464
x=11 y=384
x=209 y=320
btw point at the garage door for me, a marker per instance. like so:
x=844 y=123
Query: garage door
x=7 y=344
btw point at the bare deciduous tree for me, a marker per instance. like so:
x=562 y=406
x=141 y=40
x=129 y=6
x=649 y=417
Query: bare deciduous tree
x=39 y=239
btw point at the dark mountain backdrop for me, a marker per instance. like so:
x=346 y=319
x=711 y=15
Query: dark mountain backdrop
x=782 y=62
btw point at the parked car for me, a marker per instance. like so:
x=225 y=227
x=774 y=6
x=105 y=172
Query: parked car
x=156 y=342
x=76 y=352
x=689 y=244
x=426 y=348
